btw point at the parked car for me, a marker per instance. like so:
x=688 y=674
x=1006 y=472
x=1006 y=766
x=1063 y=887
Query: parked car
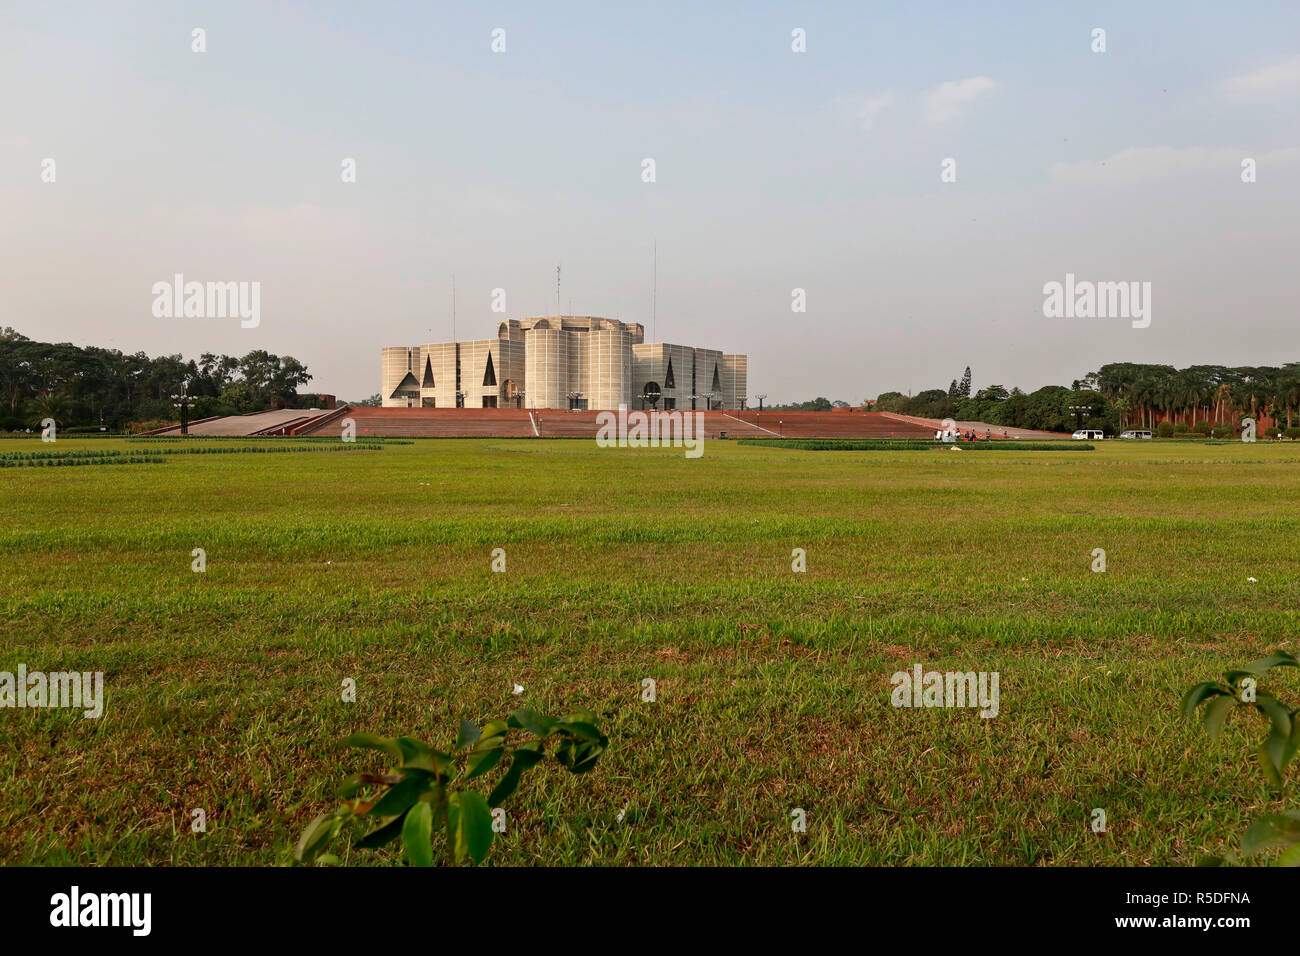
x=1089 y=434
x=1135 y=433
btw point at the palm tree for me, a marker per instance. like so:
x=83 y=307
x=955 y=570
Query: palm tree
x=1142 y=392
x=1222 y=399
x=1288 y=389
x=1209 y=380
x=1122 y=408
x=1255 y=393
x=1187 y=391
x=49 y=405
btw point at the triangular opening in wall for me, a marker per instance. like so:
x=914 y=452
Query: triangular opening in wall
x=490 y=376
x=717 y=382
x=428 y=374
x=669 y=381
x=408 y=382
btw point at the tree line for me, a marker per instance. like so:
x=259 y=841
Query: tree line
x=1122 y=395
x=93 y=387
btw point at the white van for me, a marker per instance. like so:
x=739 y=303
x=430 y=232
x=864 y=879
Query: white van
x=1088 y=434
x=1136 y=433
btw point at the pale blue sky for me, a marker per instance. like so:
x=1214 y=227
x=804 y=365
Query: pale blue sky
x=775 y=170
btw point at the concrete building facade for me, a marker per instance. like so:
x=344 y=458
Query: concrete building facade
x=562 y=361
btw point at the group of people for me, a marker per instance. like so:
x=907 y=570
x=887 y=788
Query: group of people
x=968 y=435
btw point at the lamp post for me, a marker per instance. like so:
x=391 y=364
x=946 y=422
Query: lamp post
x=1079 y=411
x=182 y=401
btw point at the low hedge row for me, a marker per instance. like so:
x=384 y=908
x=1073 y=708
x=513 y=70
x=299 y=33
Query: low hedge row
x=71 y=462
x=265 y=450
x=76 y=453
x=286 y=440
x=909 y=444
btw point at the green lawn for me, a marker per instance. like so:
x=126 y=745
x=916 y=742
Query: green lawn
x=223 y=688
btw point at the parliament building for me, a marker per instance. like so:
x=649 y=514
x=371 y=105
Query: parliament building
x=563 y=361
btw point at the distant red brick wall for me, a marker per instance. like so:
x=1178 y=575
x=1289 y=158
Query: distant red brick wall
x=1225 y=416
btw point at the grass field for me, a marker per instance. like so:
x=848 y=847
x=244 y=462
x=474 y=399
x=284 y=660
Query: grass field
x=223 y=688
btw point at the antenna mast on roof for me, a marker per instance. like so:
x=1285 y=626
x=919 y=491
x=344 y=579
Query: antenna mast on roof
x=559 y=309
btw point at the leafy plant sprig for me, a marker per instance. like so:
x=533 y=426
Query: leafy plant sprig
x=1238 y=689
x=426 y=790
x=1220 y=698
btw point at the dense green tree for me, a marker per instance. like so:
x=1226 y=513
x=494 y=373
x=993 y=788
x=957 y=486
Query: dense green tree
x=97 y=385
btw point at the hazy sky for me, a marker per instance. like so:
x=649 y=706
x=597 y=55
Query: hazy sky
x=775 y=170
